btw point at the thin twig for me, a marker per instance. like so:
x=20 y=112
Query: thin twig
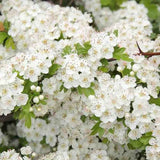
x=149 y=54
x=111 y=59
x=146 y=53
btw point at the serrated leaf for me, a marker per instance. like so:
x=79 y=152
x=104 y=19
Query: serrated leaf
x=95 y=118
x=82 y=50
x=154 y=101
x=103 y=69
x=87 y=45
x=135 y=144
x=104 y=62
x=145 y=139
x=86 y=91
x=101 y=132
x=10 y=43
x=96 y=126
x=53 y=69
x=119 y=53
x=66 y=50
x=3 y=36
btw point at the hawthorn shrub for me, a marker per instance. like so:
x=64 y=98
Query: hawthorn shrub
x=80 y=82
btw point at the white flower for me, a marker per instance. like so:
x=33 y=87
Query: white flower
x=21 y=99
x=134 y=134
x=8 y=102
x=26 y=150
x=108 y=115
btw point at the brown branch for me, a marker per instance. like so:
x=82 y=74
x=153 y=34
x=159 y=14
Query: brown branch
x=111 y=59
x=146 y=53
x=149 y=54
x=7 y=118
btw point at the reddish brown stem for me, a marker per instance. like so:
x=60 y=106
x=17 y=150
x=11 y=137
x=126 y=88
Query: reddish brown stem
x=146 y=53
x=111 y=59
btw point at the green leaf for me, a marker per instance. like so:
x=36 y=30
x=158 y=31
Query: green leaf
x=120 y=54
x=60 y=37
x=95 y=118
x=43 y=102
x=23 y=141
x=153 y=12
x=63 y=88
x=83 y=118
x=82 y=50
x=116 y=33
x=145 y=139
x=141 y=142
x=126 y=71
x=95 y=128
x=66 y=50
x=53 y=69
x=105 y=2
x=135 y=144
x=105 y=140
x=10 y=43
x=6 y=25
x=103 y=69
x=111 y=130
x=43 y=141
x=154 y=101
x=101 y=132
x=104 y=62
x=21 y=115
x=26 y=108
x=87 y=45
x=112 y=4
x=28 y=120
x=3 y=36
x=86 y=91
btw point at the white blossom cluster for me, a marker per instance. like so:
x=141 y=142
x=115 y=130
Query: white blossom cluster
x=30 y=22
x=13 y=155
x=42 y=33
x=65 y=132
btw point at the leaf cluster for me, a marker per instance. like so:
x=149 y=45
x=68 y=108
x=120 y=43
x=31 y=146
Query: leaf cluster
x=141 y=142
